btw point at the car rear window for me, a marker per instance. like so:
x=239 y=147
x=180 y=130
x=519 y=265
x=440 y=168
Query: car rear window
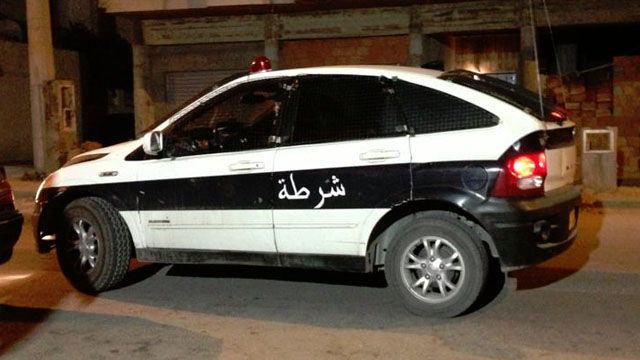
x=428 y=110
x=517 y=96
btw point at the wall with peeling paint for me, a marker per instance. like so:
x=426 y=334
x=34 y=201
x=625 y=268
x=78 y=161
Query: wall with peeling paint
x=15 y=121
x=201 y=57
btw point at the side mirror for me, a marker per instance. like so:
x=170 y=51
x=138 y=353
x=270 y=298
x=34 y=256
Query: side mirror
x=152 y=143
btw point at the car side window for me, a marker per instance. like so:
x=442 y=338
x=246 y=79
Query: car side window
x=429 y=111
x=340 y=108
x=242 y=119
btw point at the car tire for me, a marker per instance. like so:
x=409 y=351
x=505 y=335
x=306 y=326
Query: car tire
x=437 y=264
x=94 y=245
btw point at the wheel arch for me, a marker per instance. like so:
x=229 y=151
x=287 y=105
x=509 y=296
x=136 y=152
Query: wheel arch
x=400 y=215
x=51 y=213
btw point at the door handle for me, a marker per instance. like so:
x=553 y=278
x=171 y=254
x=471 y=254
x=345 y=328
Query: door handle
x=379 y=154
x=246 y=165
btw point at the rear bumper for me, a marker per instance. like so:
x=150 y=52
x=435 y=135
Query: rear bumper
x=10 y=230
x=526 y=232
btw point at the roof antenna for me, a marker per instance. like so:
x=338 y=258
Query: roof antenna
x=535 y=53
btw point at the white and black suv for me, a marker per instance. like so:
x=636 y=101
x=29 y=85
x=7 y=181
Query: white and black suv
x=423 y=174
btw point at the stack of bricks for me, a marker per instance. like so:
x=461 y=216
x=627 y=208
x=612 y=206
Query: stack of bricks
x=626 y=113
x=607 y=102
x=588 y=106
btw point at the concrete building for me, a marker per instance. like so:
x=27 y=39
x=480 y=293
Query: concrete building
x=585 y=62
x=68 y=41
x=16 y=140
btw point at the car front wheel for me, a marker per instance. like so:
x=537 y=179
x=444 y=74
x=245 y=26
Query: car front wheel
x=437 y=265
x=94 y=245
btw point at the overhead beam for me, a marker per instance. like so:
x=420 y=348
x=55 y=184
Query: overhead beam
x=436 y=18
x=128 y=6
x=588 y=12
x=212 y=29
x=470 y=16
x=346 y=23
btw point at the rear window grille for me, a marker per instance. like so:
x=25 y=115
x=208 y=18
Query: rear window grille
x=430 y=111
x=340 y=108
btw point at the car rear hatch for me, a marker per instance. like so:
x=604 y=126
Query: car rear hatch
x=561 y=156
x=559 y=134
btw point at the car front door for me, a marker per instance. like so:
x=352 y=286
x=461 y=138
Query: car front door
x=210 y=189
x=344 y=161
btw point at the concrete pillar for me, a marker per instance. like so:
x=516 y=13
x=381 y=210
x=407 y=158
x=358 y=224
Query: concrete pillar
x=271 y=43
x=416 y=38
x=142 y=101
x=450 y=54
x=527 y=66
x=41 y=69
x=433 y=50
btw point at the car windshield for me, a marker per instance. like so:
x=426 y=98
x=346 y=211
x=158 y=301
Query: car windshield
x=204 y=91
x=507 y=92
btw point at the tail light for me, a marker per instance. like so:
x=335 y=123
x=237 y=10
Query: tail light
x=557 y=114
x=522 y=175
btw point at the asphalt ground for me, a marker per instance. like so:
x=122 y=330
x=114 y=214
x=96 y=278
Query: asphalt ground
x=583 y=304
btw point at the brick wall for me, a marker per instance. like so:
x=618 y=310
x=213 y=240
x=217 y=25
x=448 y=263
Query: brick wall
x=626 y=112
x=487 y=53
x=368 y=50
x=606 y=97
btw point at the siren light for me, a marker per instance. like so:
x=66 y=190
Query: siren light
x=260 y=64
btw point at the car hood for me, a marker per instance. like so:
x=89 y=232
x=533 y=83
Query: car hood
x=125 y=147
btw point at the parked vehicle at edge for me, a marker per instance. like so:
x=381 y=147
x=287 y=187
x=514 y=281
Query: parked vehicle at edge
x=428 y=176
x=10 y=219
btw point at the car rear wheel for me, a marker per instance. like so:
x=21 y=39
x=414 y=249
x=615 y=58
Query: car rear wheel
x=94 y=245
x=437 y=265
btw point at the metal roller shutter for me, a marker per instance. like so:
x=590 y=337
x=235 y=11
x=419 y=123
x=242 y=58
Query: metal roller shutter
x=181 y=86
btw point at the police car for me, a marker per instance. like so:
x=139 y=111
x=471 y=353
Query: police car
x=427 y=176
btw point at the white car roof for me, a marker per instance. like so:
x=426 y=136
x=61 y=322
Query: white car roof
x=424 y=77
x=388 y=70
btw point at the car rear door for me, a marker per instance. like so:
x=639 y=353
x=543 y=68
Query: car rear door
x=561 y=155
x=343 y=162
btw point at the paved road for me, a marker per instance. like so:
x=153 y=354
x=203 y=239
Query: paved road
x=584 y=304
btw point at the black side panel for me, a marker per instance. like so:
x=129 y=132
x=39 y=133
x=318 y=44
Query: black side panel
x=183 y=256
x=324 y=262
x=208 y=193
x=459 y=183
x=187 y=256
x=364 y=187
x=124 y=196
